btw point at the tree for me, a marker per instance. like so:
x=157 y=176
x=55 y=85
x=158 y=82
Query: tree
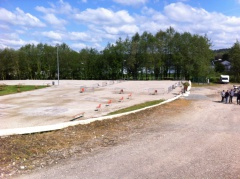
x=235 y=61
x=201 y=56
x=8 y=69
x=160 y=52
x=50 y=61
x=134 y=60
x=165 y=54
x=177 y=56
x=114 y=66
x=219 y=67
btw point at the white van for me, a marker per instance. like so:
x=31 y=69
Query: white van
x=224 y=79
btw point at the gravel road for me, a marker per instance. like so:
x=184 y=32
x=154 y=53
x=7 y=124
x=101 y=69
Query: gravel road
x=201 y=141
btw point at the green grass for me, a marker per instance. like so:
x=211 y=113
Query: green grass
x=135 y=107
x=204 y=84
x=12 y=89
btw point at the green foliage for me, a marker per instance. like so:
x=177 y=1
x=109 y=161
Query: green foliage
x=214 y=79
x=11 y=89
x=219 y=67
x=185 y=84
x=145 y=56
x=235 y=61
x=203 y=84
x=222 y=54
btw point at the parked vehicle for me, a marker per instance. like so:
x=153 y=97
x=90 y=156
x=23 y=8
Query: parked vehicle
x=224 y=79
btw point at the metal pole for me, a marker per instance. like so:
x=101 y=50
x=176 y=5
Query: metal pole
x=122 y=69
x=57 y=65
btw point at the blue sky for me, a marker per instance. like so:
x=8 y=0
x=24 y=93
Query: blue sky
x=94 y=23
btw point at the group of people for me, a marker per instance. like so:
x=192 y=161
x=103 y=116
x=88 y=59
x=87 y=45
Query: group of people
x=227 y=96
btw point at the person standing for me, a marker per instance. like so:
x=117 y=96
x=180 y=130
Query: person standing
x=231 y=94
x=238 y=97
x=226 y=96
x=223 y=95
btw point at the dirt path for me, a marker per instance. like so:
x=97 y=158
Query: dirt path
x=193 y=138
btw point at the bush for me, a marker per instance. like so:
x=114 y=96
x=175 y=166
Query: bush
x=214 y=79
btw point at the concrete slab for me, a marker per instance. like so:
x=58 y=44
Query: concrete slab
x=57 y=104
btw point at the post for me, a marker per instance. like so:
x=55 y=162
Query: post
x=122 y=69
x=123 y=61
x=57 y=65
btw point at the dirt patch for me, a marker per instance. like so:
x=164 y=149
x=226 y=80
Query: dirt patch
x=188 y=138
x=24 y=153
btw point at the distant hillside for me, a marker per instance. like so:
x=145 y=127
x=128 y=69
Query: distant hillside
x=221 y=54
x=222 y=51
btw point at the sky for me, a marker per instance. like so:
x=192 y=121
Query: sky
x=95 y=23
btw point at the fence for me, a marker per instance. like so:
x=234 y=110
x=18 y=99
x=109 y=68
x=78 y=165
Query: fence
x=172 y=87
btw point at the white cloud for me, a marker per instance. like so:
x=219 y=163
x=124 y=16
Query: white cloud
x=131 y=2
x=53 y=20
x=184 y=13
x=53 y=35
x=6 y=15
x=3 y=46
x=76 y=36
x=28 y=19
x=19 y=17
x=96 y=27
x=64 y=36
x=233 y=21
x=45 y=10
x=65 y=7
x=151 y=20
x=4 y=27
x=104 y=16
x=198 y=21
x=97 y=46
x=124 y=29
x=107 y=24
x=15 y=42
x=60 y=8
x=79 y=45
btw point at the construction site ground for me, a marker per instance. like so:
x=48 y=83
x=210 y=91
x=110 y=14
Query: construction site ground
x=196 y=136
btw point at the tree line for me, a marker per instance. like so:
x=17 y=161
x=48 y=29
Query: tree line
x=164 y=55
x=233 y=56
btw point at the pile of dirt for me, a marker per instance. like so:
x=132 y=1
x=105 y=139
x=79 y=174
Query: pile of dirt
x=23 y=153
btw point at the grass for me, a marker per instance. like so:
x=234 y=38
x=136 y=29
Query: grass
x=210 y=84
x=138 y=106
x=12 y=89
x=204 y=84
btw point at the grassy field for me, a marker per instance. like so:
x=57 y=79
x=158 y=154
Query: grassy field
x=11 y=89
